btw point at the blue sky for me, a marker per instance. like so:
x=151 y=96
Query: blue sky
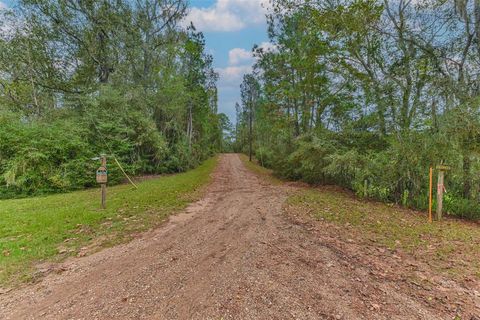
x=231 y=28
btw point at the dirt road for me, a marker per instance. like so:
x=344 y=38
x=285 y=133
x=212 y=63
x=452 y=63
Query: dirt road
x=232 y=255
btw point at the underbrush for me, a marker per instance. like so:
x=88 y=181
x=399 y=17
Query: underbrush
x=54 y=227
x=391 y=169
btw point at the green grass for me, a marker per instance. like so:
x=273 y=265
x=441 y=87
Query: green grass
x=259 y=170
x=53 y=227
x=450 y=246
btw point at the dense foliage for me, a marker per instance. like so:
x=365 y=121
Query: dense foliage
x=80 y=78
x=368 y=94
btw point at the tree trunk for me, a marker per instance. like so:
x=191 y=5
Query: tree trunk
x=433 y=111
x=250 y=138
x=103 y=68
x=32 y=82
x=190 y=127
x=467 y=186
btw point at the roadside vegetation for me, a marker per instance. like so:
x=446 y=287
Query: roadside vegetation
x=368 y=95
x=451 y=247
x=257 y=168
x=121 y=78
x=51 y=228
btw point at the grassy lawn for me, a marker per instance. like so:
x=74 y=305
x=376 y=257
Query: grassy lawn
x=51 y=228
x=450 y=246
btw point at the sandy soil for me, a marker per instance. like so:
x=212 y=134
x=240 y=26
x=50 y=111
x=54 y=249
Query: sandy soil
x=232 y=255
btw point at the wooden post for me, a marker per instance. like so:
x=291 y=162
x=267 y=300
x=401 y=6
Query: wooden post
x=104 y=185
x=104 y=196
x=441 y=175
x=102 y=179
x=253 y=95
x=430 y=196
x=250 y=134
x=440 y=187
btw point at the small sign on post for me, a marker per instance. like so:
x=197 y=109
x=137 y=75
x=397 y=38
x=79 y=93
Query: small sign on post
x=440 y=188
x=102 y=178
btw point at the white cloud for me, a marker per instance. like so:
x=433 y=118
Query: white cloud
x=211 y=20
x=3 y=5
x=228 y=15
x=229 y=82
x=232 y=76
x=237 y=56
x=240 y=62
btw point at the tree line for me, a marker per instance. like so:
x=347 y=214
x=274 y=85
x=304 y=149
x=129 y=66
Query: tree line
x=83 y=77
x=368 y=94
